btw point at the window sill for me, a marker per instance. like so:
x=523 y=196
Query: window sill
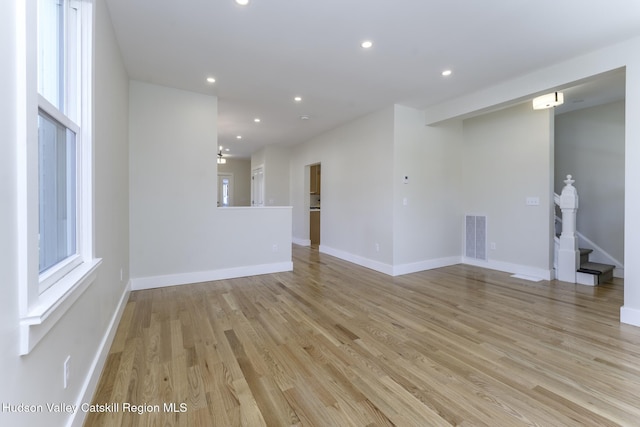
x=54 y=303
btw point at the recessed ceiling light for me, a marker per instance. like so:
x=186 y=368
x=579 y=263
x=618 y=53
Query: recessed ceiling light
x=257 y=120
x=226 y=149
x=305 y=117
x=239 y=137
x=366 y=44
x=211 y=80
x=446 y=73
x=297 y=98
x=242 y=2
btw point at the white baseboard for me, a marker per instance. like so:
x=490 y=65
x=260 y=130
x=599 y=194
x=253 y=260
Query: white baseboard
x=618 y=272
x=430 y=264
x=357 y=259
x=391 y=270
x=301 y=242
x=91 y=381
x=507 y=267
x=630 y=316
x=151 y=282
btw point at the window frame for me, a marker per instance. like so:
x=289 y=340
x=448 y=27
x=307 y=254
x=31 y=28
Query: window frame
x=44 y=298
x=56 y=272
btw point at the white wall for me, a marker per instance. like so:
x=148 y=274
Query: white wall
x=178 y=235
x=589 y=144
x=84 y=330
x=507 y=157
x=427 y=227
x=241 y=170
x=11 y=365
x=173 y=171
x=111 y=126
x=357 y=189
x=630 y=312
x=276 y=176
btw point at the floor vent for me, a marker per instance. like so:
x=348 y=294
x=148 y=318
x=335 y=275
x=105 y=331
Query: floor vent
x=476 y=237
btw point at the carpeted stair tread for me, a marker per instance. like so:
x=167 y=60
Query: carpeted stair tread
x=595 y=268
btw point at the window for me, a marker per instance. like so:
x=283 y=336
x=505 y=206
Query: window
x=57 y=192
x=54 y=146
x=225 y=189
x=59 y=50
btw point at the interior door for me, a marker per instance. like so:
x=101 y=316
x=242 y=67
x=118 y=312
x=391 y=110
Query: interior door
x=257 y=187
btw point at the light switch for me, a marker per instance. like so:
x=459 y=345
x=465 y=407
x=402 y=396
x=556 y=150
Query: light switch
x=405 y=179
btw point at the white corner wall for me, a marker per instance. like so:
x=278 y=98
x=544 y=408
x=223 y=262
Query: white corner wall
x=85 y=331
x=508 y=157
x=357 y=190
x=428 y=208
x=178 y=235
x=589 y=144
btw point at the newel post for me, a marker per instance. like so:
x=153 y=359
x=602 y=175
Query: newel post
x=569 y=254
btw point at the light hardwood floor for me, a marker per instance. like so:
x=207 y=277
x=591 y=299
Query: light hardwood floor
x=334 y=344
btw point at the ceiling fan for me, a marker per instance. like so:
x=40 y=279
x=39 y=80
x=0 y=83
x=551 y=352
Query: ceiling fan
x=221 y=160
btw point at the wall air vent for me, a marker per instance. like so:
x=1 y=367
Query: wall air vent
x=475 y=237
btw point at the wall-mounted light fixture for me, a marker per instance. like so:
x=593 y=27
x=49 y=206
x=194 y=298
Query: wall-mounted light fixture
x=548 y=101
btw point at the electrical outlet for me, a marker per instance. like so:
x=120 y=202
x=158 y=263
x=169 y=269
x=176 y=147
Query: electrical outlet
x=377 y=247
x=66 y=371
x=493 y=246
x=274 y=248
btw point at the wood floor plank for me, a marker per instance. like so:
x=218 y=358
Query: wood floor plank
x=335 y=344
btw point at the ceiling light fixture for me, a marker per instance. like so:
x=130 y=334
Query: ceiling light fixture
x=211 y=80
x=239 y=137
x=242 y=2
x=548 y=101
x=305 y=117
x=297 y=98
x=367 y=44
x=257 y=120
x=446 y=73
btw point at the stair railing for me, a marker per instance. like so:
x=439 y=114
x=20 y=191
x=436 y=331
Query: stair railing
x=568 y=254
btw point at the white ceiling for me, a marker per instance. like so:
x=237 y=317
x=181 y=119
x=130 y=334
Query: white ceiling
x=264 y=54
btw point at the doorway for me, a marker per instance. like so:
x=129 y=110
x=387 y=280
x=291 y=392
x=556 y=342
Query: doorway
x=225 y=189
x=589 y=144
x=315 y=174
